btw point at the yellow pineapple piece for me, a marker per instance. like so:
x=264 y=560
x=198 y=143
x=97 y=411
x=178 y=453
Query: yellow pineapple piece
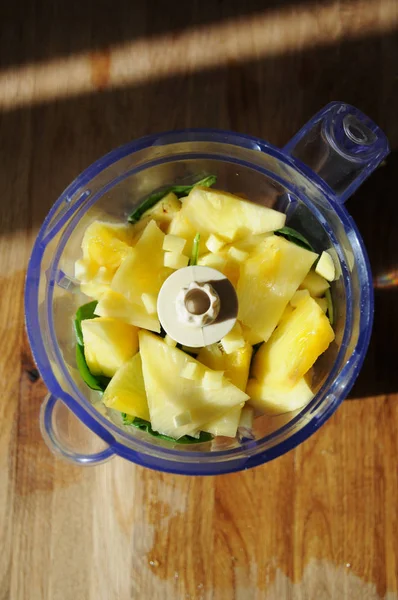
x=174 y=243
x=107 y=244
x=323 y=303
x=164 y=211
x=315 y=284
x=126 y=390
x=227 y=424
x=294 y=346
x=298 y=297
x=235 y=365
x=271 y=398
x=108 y=343
x=182 y=227
x=170 y=395
x=143 y=271
x=233 y=340
x=115 y=305
x=225 y=215
x=268 y=281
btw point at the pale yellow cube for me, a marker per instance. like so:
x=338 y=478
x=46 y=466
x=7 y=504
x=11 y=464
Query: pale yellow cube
x=212 y=380
x=85 y=269
x=325 y=267
x=174 y=243
x=191 y=371
x=173 y=260
x=149 y=302
x=214 y=243
x=323 y=303
x=182 y=419
x=298 y=296
x=238 y=255
x=214 y=261
x=234 y=340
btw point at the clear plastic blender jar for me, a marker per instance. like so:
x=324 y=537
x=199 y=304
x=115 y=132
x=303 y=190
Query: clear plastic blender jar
x=310 y=179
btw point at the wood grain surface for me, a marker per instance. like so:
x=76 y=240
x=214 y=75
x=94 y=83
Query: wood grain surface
x=80 y=78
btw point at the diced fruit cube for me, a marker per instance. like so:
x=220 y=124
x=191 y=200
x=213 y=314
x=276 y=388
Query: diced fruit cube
x=268 y=281
x=170 y=342
x=227 y=424
x=325 y=267
x=108 y=343
x=251 y=336
x=164 y=211
x=126 y=390
x=238 y=255
x=215 y=261
x=98 y=284
x=107 y=244
x=272 y=399
x=173 y=260
x=315 y=284
x=214 y=243
x=212 y=380
x=170 y=394
x=211 y=212
x=115 y=305
x=191 y=371
x=143 y=272
x=233 y=340
x=235 y=365
x=149 y=302
x=298 y=297
x=182 y=227
x=294 y=346
x=174 y=243
x=323 y=303
x=182 y=419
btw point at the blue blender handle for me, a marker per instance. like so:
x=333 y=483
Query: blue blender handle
x=342 y=146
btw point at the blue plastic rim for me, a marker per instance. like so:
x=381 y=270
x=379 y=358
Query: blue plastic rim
x=249 y=454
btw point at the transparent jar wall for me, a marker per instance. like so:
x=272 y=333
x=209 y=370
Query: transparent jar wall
x=114 y=193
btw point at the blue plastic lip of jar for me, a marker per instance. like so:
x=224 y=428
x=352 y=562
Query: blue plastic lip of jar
x=234 y=459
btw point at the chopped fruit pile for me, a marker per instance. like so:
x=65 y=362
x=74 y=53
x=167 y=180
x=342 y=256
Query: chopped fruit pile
x=262 y=366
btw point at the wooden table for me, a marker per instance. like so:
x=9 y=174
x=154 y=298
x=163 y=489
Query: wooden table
x=321 y=522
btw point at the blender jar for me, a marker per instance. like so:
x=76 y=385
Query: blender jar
x=309 y=180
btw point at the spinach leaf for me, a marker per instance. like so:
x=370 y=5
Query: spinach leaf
x=84 y=312
x=95 y=382
x=295 y=237
x=328 y=297
x=195 y=250
x=144 y=425
x=179 y=190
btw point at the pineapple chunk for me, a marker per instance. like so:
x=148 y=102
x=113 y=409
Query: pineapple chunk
x=214 y=243
x=251 y=336
x=182 y=227
x=164 y=211
x=143 y=272
x=233 y=340
x=215 y=261
x=294 y=346
x=149 y=302
x=213 y=380
x=325 y=267
x=211 y=212
x=173 y=260
x=246 y=418
x=174 y=243
x=273 y=399
x=126 y=390
x=235 y=365
x=184 y=418
x=315 y=284
x=227 y=424
x=238 y=255
x=108 y=343
x=170 y=342
x=323 y=303
x=169 y=394
x=268 y=281
x=191 y=371
x=85 y=269
x=115 y=305
x=298 y=297
x=107 y=244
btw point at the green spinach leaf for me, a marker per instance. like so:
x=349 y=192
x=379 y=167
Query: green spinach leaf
x=295 y=237
x=179 y=190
